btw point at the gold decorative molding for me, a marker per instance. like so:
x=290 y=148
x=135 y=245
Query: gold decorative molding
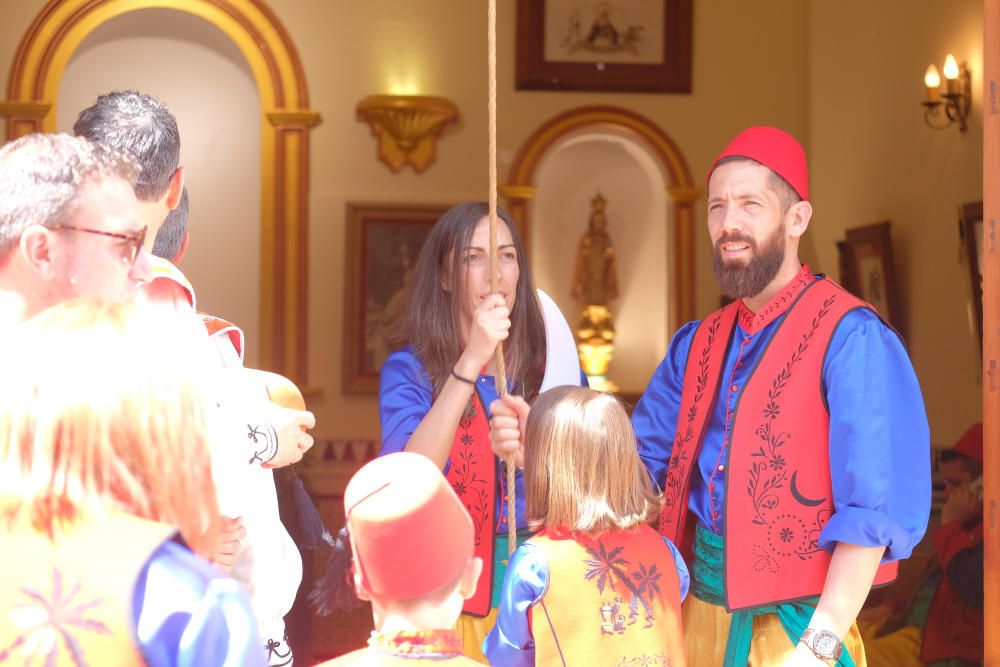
x=684 y=195
x=33 y=110
x=284 y=117
x=680 y=286
x=407 y=127
x=33 y=87
x=23 y=117
x=517 y=191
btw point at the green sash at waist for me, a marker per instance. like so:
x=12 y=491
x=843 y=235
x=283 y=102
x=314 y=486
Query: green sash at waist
x=500 y=558
x=707 y=584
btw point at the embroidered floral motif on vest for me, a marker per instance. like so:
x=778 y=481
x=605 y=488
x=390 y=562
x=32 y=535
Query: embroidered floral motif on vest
x=779 y=493
x=472 y=474
x=697 y=401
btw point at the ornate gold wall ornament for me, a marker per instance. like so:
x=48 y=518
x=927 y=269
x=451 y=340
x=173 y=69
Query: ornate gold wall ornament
x=407 y=127
x=33 y=86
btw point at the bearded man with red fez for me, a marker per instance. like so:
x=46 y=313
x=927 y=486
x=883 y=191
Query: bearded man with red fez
x=787 y=432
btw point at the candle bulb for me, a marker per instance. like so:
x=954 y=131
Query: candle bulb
x=951 y=75
x=933 y=82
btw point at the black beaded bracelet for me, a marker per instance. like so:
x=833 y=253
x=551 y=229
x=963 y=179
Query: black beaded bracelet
x=462 y=379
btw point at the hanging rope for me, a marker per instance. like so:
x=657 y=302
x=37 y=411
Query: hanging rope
x=494 y=276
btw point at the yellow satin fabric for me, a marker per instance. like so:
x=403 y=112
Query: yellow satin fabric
x=473 y=632
x=706 y=630
x=899 y=649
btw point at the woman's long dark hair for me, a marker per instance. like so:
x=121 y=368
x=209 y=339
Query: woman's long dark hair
x=429 y=319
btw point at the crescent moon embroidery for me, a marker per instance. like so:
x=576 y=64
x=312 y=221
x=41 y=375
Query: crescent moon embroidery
x=802 y=500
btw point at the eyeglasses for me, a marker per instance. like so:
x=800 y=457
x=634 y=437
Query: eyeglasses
x=135 y=240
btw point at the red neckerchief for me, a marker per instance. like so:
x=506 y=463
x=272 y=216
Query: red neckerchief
x=776 y=307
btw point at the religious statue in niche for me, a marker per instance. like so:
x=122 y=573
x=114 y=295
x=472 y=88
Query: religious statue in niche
x=595 y=284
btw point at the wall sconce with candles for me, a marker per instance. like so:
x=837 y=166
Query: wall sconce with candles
x=956 y=98
x=407 y=127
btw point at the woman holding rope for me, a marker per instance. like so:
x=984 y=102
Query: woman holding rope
x=434 y=392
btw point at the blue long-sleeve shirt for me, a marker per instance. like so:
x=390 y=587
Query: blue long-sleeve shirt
x=188 y=613
x=405 y=396
x=879 y=437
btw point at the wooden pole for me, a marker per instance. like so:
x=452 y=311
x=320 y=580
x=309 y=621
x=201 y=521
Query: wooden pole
x=494 y=277
x=991 y=328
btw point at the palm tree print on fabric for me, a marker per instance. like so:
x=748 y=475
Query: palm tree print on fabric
x=49 y=626
x=604 y=569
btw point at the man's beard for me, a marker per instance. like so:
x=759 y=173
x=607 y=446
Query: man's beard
x=741 y=281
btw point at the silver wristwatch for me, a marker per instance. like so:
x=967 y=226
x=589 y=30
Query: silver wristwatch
x=824 y=644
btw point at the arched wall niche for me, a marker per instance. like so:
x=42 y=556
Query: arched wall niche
x=521 y=187
x=626 y=174
x=286 y=121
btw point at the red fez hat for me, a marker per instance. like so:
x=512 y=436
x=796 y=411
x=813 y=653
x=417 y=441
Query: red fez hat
x=410 y=533
x=971 y=442
x=775 y=149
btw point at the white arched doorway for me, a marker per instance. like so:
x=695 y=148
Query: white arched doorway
x=217 y=112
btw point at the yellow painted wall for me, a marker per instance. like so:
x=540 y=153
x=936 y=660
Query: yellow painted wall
x=873 y=158
x=353 y=49
x=751 y=65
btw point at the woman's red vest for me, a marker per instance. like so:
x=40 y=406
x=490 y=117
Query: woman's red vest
x=473 y=473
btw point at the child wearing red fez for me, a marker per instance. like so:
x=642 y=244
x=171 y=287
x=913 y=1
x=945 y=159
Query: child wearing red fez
x=412 y=555
x=595 y=585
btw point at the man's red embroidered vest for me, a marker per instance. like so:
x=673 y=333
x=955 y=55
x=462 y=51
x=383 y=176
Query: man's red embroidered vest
x=954 y=629
x=472 y=473
x=612 y=600
x=779 y=494
x=72 y=594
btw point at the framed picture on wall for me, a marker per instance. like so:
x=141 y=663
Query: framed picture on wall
x=383 y=243
x=612 y=45
x=970 y=217
x=868 y=271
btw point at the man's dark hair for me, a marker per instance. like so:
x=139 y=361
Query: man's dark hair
x=140 y=126
x=170 y=238
x=430 y=318
x=785 y=192
x=969 y=464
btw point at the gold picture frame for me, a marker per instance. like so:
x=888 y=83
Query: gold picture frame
x=970 y=220
x=868 y=271
x=619 y=45
x=383 y=243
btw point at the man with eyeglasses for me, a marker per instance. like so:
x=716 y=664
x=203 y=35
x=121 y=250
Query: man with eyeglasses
x=255 y=547
x=70 y=224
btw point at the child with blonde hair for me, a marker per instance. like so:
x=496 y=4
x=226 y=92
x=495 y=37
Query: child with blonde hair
x=595 y=585
x=106 y=497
